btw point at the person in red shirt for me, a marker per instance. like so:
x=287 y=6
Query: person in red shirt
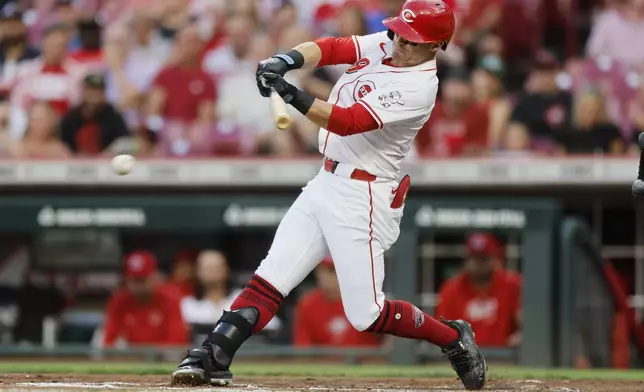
x=181 y=103
x=457 y=126
x=143 y=312
x=319 y=315
x=484 y=294
x=182 y=277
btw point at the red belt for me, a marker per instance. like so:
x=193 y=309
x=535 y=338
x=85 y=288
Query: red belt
x=330 y=165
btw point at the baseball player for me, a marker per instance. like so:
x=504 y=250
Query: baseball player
x=353 y=207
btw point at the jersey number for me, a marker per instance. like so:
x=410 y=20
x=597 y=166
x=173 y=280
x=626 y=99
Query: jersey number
x=358 y=66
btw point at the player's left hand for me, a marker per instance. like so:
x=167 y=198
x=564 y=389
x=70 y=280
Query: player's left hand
x=274 y=65
x=286 y=90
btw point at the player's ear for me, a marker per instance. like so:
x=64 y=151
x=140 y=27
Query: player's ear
x=434 y=47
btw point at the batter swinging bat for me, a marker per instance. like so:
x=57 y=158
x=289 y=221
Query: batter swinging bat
x=280 y=113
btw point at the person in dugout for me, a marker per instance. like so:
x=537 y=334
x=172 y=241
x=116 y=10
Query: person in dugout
x=484 y=294
x=319 y=315
x=144 y=312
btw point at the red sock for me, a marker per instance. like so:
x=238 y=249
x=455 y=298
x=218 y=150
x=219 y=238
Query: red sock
x=261 y=295
x=400 y=318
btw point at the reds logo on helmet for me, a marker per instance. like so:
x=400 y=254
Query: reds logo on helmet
x=408 y=16
x=423 y=21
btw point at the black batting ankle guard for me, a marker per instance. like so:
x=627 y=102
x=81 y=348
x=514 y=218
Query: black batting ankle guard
x=232 y=329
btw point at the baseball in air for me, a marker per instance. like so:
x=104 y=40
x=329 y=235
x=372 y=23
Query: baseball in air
x=123 y=164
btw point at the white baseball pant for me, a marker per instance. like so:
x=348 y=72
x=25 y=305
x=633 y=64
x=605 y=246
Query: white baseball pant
x=350 y=219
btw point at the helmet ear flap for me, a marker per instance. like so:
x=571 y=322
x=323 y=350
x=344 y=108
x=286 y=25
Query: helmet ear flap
x=390 y=34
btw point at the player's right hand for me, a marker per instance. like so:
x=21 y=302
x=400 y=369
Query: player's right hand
x=274 y=65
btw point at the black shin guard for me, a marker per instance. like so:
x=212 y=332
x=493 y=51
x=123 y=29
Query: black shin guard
x=232 y=329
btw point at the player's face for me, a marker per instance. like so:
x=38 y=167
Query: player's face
x=183 y=269
x=479 y=268
x=140 y=288
x=403 y=49
x=409 y=54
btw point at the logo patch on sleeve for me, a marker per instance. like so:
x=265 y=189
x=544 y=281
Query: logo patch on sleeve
x=362 y=89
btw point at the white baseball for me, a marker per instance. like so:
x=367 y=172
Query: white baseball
x=123 y=164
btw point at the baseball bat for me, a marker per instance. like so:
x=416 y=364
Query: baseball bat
x=638 y=185
x=280 y=113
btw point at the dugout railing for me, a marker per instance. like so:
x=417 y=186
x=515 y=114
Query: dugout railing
x=593 y=311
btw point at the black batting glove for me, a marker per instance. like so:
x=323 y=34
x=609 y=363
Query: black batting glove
x=300 y=100
x=279 y=64
x=286 y=90
x=271 y=65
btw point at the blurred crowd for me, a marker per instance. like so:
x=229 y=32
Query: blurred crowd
x=175 y=78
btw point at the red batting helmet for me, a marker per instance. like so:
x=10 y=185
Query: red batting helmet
x=423 y=21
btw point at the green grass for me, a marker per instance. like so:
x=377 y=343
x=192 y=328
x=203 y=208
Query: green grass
x=317 y=370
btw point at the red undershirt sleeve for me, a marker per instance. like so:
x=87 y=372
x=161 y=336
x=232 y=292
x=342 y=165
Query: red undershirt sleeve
x=335 y=51
x=351 y=121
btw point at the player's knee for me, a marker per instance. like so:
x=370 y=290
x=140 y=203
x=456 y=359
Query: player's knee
x=362 y=318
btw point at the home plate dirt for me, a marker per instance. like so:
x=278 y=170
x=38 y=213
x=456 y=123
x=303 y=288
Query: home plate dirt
x=73 y=382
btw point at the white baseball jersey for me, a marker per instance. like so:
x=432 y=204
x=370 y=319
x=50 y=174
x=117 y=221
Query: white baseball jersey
x=399 y=99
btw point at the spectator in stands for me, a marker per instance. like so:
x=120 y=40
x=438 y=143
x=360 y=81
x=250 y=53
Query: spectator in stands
x=225 y=59
x=591 y=130
x=350 y=21
x=174 y=17
x=457 y=126
x=14 y=48
x=142 y=312
x=181 y=103
x=487 y=90
x=246 y=8
x=51 y=77
x=636 y=114
x=91 y=127
x=215 y=291
x=182 y=276
x=66 y=12
x=319 y=315
x=41 y=138
x=285 y=16
x=617 y=33
x=134 y=54
x=245 y=123
x=89 y=53
x=478 y=19
x=484 y=294
x=544 y=109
